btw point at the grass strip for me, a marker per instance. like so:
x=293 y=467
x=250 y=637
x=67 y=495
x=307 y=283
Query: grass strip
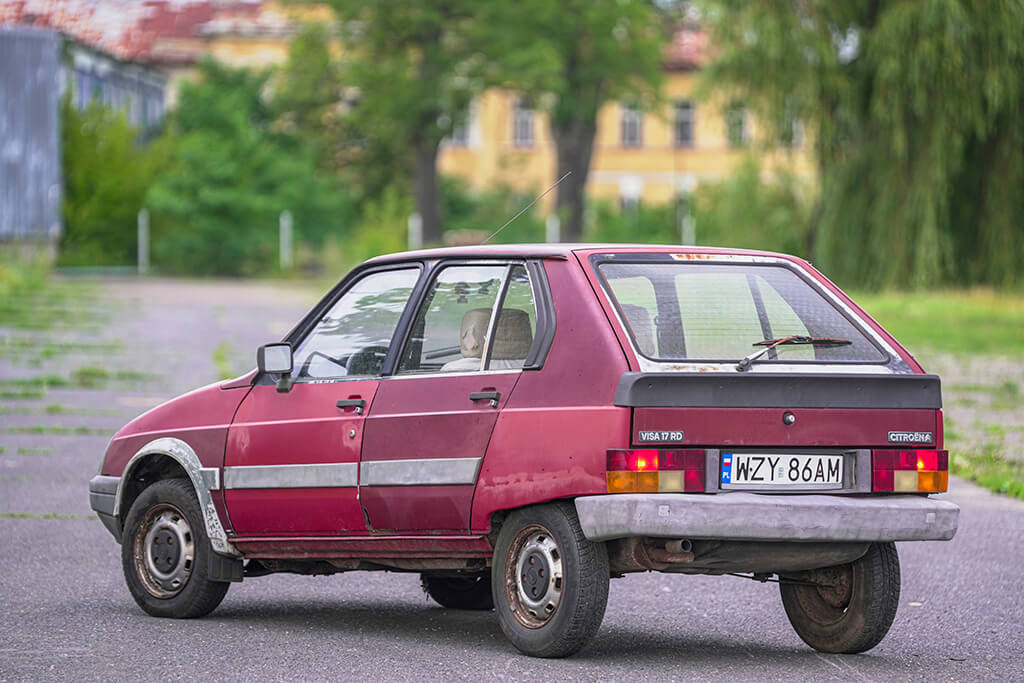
x=990 y=469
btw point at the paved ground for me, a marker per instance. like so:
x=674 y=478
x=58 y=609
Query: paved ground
x=64 y=610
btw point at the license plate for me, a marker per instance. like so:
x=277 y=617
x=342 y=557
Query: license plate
x=779 y=471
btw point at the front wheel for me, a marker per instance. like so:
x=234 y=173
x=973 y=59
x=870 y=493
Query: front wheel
x=165 y=553
x=848 y=608
x=550 y=583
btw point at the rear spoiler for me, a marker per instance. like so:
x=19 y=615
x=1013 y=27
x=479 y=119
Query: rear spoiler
x=768 y=390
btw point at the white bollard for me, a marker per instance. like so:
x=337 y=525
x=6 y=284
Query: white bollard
x=143 y=245
x=285 y=240
x=552 y=229
x=415 y=231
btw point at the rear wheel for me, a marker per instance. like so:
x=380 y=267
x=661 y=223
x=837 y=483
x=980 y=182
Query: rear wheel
x=165 y=553
x=550 y=583
x=849 y=608
x=459 y=592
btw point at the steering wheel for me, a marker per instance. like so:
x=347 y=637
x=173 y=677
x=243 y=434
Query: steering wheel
x=367 y=361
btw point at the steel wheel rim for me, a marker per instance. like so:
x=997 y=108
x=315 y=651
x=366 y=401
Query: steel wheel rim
x=164 y=551
x=534 y=576
x=827 y=601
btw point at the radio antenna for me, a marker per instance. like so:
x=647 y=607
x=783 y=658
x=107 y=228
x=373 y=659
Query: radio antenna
x=527 y=207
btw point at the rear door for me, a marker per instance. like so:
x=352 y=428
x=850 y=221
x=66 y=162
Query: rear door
x=430 y=424
x=291 y=463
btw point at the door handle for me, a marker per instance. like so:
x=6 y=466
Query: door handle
x=492 y=396
x=357 y=403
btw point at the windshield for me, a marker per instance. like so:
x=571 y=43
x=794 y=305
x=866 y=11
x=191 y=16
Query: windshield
x=712 y=312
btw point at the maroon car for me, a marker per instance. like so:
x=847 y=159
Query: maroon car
x=520 y=424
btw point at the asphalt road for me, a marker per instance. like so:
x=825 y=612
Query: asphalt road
x=65 y=613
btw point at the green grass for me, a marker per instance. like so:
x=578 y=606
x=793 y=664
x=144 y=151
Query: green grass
x=35 y=451
x=43 y=515
x=965 y=321
x=989 y=468
x=220 y=359
x=57 y=430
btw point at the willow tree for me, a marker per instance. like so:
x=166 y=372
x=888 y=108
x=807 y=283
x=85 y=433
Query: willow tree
x=914 y=110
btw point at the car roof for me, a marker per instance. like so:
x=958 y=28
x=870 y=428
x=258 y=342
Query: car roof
x=559 y=251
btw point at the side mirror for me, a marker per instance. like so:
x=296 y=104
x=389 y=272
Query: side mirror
x=276 y=359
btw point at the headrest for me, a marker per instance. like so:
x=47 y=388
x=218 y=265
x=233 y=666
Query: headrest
x=639 y=320
x=512 y=339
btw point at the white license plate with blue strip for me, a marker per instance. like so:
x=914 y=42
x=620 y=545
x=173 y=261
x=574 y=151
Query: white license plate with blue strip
x=781 y=471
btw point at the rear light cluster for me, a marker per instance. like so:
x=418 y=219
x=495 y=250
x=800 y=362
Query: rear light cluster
x=916 y=471
x=655 y=471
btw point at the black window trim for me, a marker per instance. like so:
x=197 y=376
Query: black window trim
x=597 y=260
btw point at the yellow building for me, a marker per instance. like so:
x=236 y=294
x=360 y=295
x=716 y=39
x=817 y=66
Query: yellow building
x=651 y=156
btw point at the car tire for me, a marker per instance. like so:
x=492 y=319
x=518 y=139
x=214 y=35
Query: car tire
x=459 y=592
x=165 y=553
x=854 y=605
x=550 y=583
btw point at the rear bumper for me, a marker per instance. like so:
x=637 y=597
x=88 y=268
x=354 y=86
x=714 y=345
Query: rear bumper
x=102 y=496
x=761 y=517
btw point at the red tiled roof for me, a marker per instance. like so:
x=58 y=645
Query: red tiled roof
x=129 y=29
x=688 y=49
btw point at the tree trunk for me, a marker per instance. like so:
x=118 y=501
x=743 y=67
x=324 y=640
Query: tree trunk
x=574 y=145
x=426 y=190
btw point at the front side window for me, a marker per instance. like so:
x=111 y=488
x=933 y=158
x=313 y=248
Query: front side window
x=709 y=312
x=451 y=331
x=353 y=338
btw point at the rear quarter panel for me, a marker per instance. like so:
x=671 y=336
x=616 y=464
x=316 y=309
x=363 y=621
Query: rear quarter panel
x=550 y=439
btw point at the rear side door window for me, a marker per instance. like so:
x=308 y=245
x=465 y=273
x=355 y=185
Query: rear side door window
x=453 y=330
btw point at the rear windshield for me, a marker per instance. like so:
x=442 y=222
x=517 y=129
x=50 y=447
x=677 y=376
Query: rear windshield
x=709 y=312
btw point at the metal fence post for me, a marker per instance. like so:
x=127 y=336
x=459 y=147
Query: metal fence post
x=285 y=240
x=143 y=245
x=552 y=229
x=415 y=231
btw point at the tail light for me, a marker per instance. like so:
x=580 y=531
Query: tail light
x=911 y=471
x=655 y=471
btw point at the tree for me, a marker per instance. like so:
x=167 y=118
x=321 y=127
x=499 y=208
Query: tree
x=415 y=65
x=313 y=102
x=107 y=172
x=230 y=175
x=573 y=57
x=915 y=112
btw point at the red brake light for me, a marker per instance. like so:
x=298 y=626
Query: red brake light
x=650 y=470
x=918 y=470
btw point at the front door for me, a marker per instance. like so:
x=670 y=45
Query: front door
x=430 y=423
x=291 y=462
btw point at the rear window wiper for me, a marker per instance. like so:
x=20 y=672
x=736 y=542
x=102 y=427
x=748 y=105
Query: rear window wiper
x=770 y=344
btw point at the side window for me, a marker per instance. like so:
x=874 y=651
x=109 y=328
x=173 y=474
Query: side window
x=451 y=328
x=354 y=337
x=517 y=323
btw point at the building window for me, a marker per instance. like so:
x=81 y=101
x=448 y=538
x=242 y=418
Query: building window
x=632 y=126
x=791 y=132
x=684 y=123
x=736 y=125
x=522 y=122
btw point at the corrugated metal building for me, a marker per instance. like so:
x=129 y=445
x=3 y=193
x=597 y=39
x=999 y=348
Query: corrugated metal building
x=30 y=169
